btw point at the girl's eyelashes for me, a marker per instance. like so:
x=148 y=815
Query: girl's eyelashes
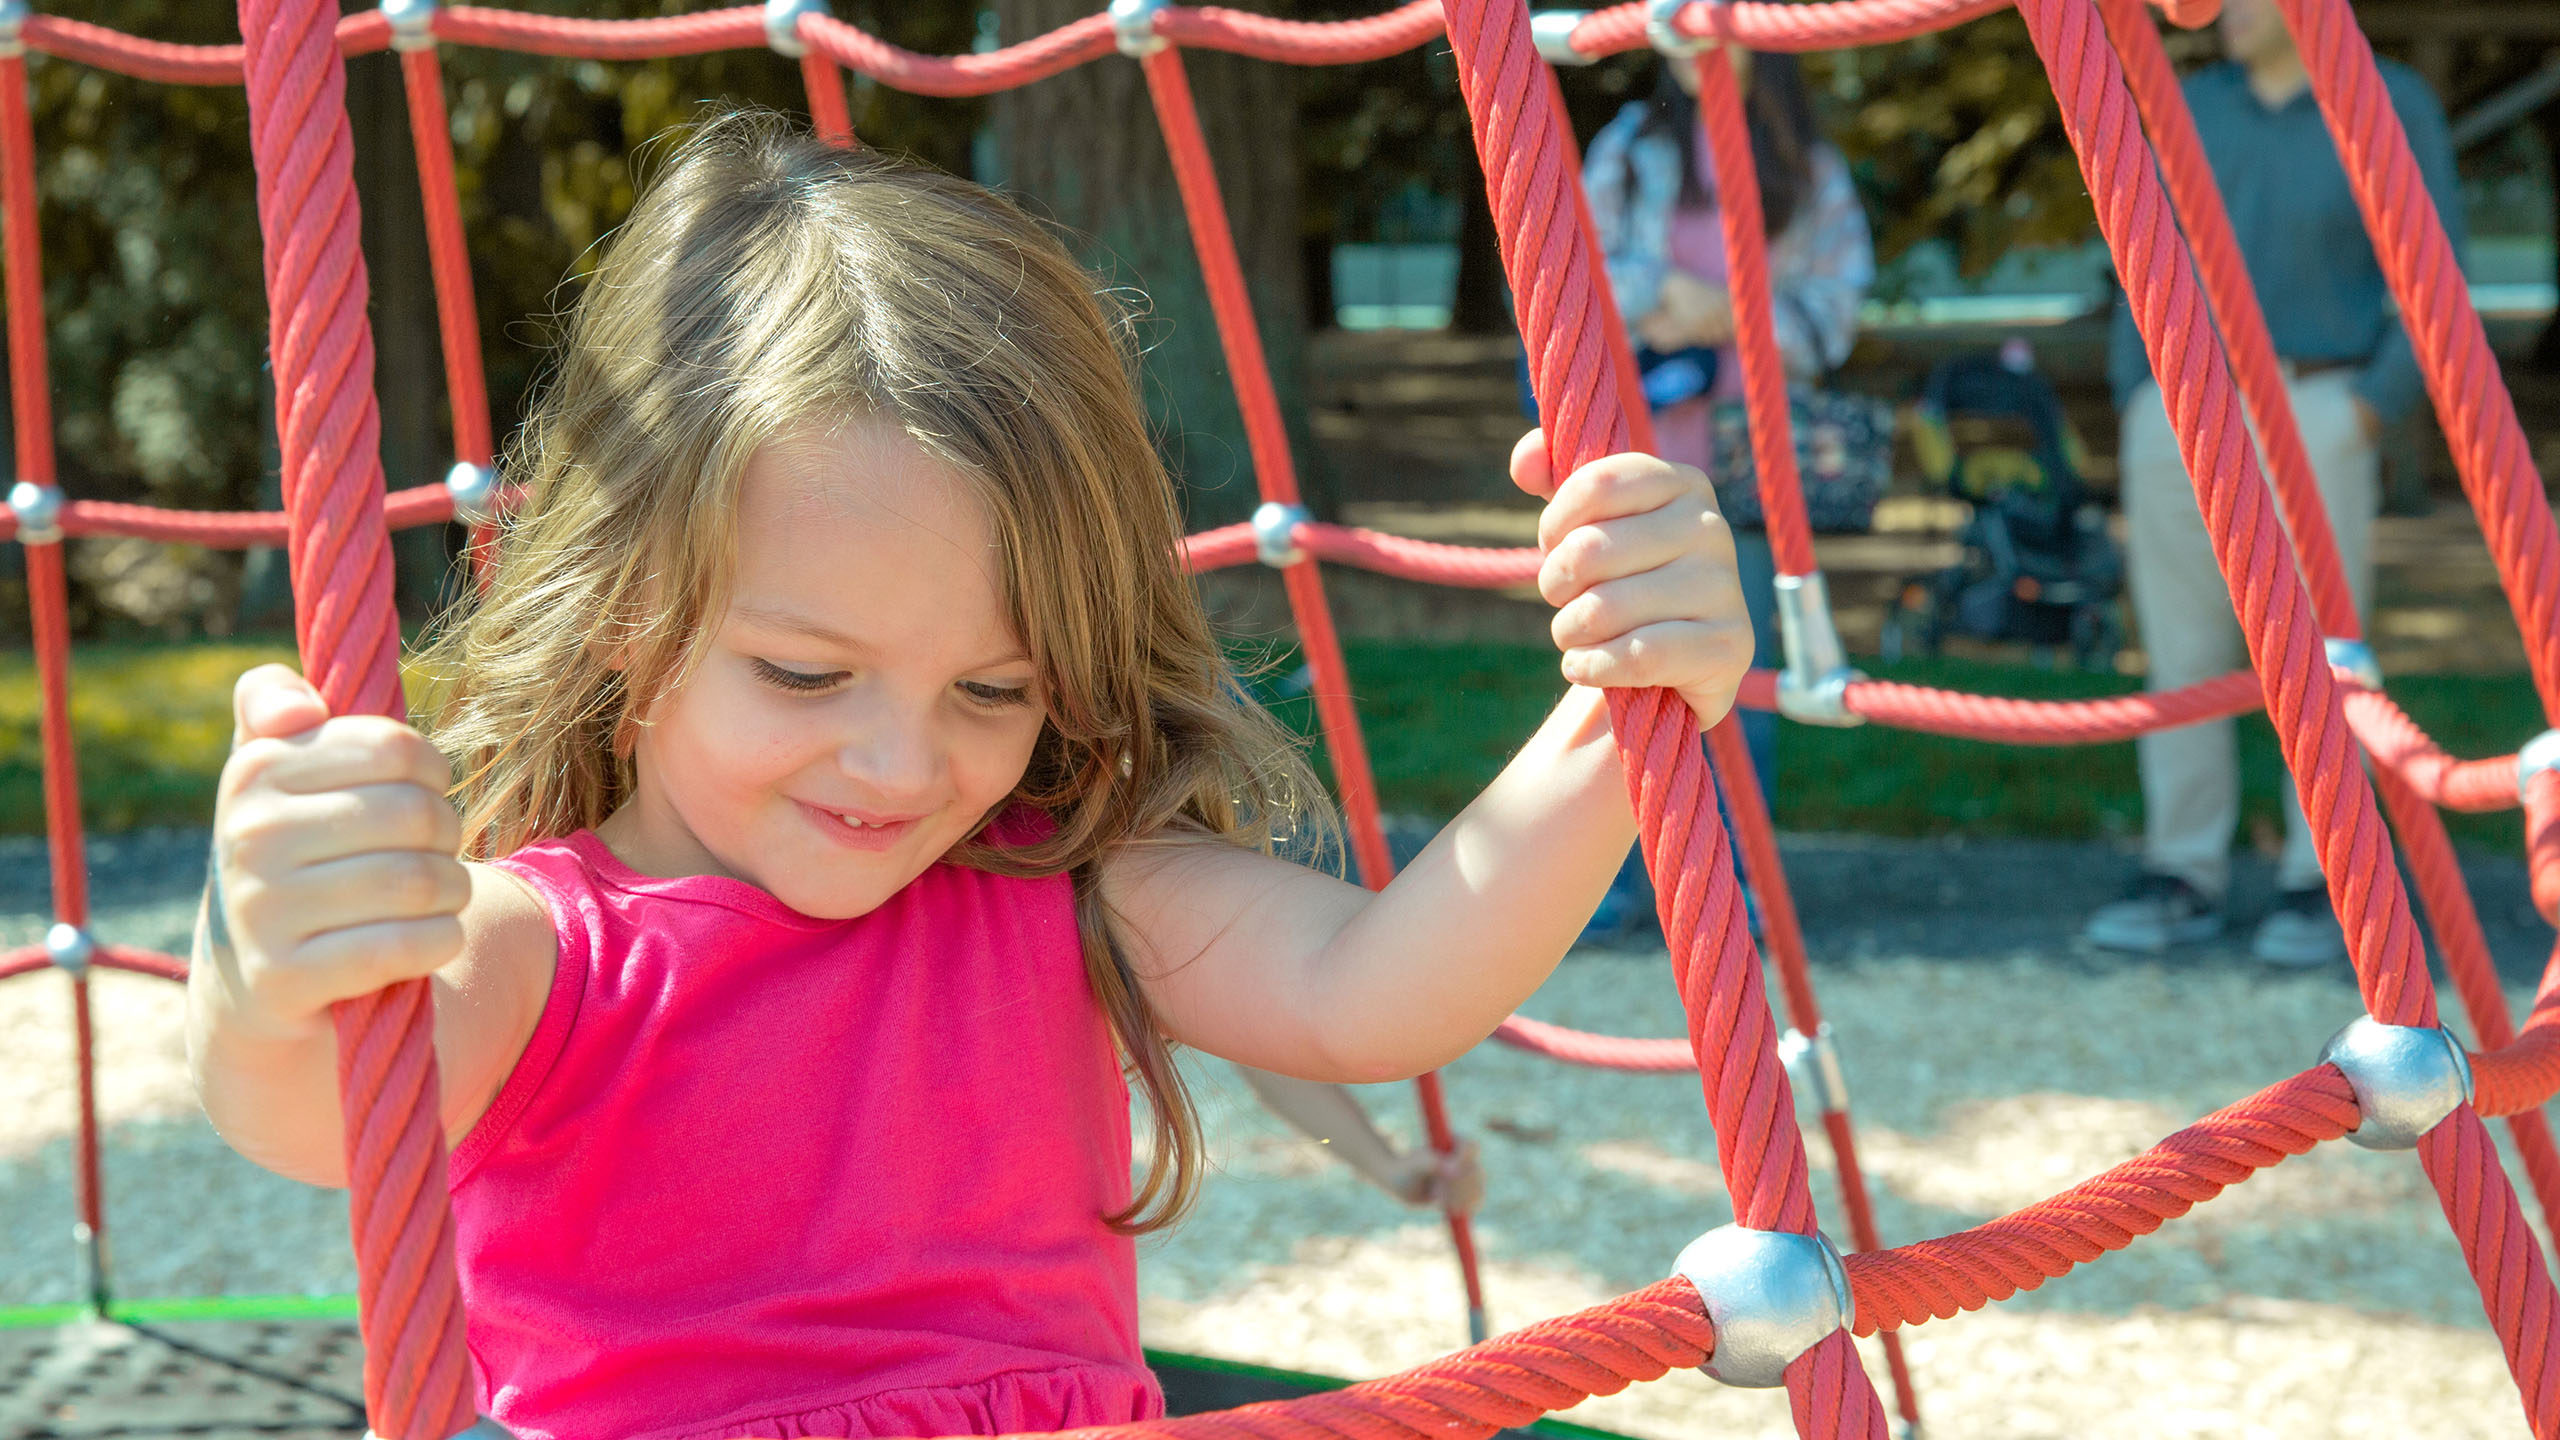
x=783 y=678
x=803 y=682
x=996 y=697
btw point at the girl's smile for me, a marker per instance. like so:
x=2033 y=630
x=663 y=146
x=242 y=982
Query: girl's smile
x=863 y=688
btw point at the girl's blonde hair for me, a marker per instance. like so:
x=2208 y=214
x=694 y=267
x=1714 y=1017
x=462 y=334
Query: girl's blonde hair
x=765 y=279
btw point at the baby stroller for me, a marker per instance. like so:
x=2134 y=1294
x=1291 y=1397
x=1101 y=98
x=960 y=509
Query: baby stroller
x=2039 y=567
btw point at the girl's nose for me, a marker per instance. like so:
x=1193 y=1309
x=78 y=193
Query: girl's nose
x=895 y=758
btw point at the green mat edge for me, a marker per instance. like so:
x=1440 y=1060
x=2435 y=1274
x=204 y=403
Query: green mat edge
x=343 y=1307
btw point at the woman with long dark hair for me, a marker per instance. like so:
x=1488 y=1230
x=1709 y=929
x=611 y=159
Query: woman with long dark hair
x=1652 y=188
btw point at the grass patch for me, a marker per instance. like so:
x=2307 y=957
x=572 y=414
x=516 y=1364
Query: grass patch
x=153 y=723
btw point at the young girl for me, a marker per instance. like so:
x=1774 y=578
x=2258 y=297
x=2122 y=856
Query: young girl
x=853 y=794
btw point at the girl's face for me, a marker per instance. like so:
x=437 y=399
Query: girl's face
x=862 y=702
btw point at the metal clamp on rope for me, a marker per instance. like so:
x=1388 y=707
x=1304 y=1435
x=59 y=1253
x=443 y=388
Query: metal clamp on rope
x=70 y=948
x=2538 y=754
x=412 y=23
x=474 y=489
x=782 y=25
x=1771 y=1294
x=483 y=1428
x=1275 y=533
x=2407 y=1078
x=1133 y=22
x=2356 y=658
x=1661 y=26
x=39 y=512
x=1813 y=689
x=1552 y=32
x=1813 y=1066
x=13 y=24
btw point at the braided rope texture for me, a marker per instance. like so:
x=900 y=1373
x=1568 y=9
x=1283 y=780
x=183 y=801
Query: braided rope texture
x=417 y=1374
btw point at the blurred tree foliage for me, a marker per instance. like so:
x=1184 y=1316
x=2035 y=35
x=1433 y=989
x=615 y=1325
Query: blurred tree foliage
x=154 y=297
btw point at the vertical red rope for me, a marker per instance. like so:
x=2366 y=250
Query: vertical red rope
x=827 y=111
x=1755 y=334
x=1748 y=811
x=457 y=307
x=417 y=1375
x=2197 y=201
x=49 y=620
x=1275 y=473
x=1529 y=166
x=2462 y=373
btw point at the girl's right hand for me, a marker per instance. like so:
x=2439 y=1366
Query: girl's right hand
x=335 y=852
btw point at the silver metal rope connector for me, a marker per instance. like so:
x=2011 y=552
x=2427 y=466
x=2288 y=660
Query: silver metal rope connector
x=2356 y=658
x=782 y=25
x=412 y=23
x=13 y=26
x=1552 y=32
x=1275 y=533
x=474 y=489
x=1771 y=1294
x=1662 y=29
x=1813 y=688
x=70 y=948
x=39 y=512
x=1813 y=1066
x=1133 y=23
x=2538 y=754
x=2407 y=1079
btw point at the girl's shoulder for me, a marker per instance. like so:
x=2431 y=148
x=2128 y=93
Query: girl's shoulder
x=493 y=996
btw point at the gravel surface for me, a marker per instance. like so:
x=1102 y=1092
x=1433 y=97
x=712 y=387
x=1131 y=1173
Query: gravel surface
x=1991 y=1062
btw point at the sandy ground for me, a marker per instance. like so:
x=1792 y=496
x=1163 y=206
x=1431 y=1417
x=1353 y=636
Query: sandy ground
x=2324 y=1298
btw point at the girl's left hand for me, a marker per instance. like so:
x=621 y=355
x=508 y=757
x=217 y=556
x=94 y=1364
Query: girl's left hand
x=1640 y=568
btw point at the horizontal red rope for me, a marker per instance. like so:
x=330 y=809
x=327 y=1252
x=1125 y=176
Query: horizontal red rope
x=1826 y=25
x=1598 y=1052
x=2395 y=741
x=235 y=529
x=140 y=962
x=25 y=960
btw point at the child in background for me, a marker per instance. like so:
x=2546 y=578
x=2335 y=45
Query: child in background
x=853 y=798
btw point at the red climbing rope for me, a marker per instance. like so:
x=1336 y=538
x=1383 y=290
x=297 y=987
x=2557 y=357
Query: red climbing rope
x=1529 y=161
x=417 y=1376
x=2471 y=399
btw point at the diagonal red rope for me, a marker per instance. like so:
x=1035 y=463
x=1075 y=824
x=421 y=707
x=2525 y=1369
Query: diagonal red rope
x=2471 y=397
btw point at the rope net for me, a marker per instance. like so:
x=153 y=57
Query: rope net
x=2191 y=297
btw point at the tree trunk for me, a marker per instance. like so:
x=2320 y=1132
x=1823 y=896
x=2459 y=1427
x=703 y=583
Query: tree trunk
x=1083 y=149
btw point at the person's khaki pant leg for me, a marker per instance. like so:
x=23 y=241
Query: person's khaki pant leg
x=2349 y=469
x=2182 y=610
x=2190 y=776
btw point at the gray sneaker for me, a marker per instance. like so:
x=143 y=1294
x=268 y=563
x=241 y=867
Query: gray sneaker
x=2301 y=931
x=2161 y=911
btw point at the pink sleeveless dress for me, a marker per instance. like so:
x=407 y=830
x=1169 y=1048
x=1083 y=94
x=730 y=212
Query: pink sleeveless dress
x=763 y=1174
